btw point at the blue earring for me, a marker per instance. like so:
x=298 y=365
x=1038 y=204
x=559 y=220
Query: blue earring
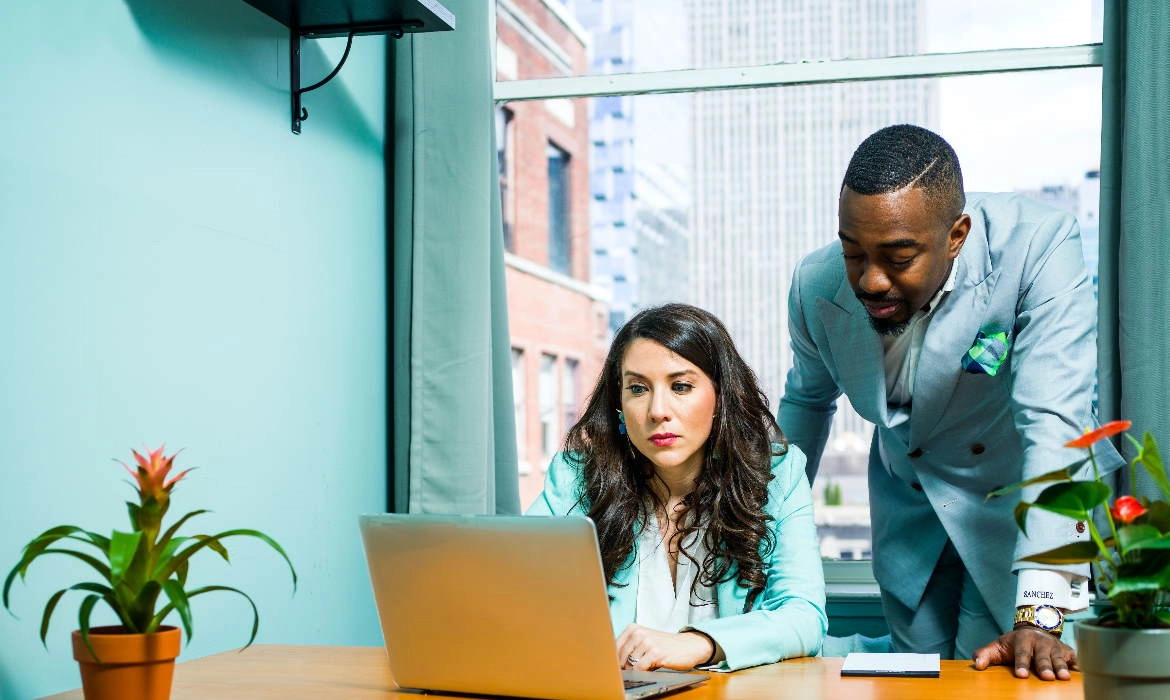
x=621 y=422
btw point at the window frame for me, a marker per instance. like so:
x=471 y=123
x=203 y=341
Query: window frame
x=838 y=574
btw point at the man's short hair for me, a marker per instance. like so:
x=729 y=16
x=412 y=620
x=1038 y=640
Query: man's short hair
x=901 y=155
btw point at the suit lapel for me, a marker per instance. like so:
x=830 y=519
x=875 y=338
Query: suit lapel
x=956 y=322
x=857 y=350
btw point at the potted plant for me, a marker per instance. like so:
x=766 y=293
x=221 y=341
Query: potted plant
x=142 y=577
x=1123 y=653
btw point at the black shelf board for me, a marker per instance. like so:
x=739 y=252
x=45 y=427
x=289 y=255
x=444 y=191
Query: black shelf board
x=326 y=18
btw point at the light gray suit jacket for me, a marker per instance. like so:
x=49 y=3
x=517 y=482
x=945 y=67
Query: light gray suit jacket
x=1021 y=271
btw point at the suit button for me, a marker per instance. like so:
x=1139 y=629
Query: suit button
x=978 y=449
x=916 y=453
x=916 y=486
x=1080 y=527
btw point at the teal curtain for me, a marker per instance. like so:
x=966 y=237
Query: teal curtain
x=1135 y=219
x=454 y=438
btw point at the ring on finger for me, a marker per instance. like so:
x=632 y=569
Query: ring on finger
x=632 y=660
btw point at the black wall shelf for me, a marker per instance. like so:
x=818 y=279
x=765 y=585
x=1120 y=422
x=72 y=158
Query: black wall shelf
x=317 y=19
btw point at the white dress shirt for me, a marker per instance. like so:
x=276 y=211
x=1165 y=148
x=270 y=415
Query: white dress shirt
x=667 y=605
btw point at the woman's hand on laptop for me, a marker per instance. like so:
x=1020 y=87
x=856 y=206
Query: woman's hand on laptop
x=644 y=649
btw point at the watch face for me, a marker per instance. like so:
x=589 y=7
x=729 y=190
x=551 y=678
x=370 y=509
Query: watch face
x=1047 y=617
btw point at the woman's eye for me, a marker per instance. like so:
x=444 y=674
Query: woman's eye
x=636 y=389
x=682 y=387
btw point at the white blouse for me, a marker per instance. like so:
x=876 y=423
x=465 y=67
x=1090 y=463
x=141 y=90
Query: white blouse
x=662 y=604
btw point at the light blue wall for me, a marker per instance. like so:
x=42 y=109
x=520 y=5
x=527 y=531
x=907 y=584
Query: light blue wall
x=176 y=266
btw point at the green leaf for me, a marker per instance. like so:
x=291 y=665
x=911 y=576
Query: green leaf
x=48 y=615
x=104 y=591
x=182 y=557
x=1132 y=535
x=1151 y=460
x=1158 y=516
x=1073 y=499
x=1136 y=584
x=92 y=561
x=166 y=538
x=1162 y=542
x=1074 y=553
x=163 y=558
x=1021 y=515
x=83 y=615
x=132 y=509
x=142 y=607
x=178 y=598
x=209 y=589
x=40 y=545
x=123 y=545
x=1062 y=474
x=214 y=544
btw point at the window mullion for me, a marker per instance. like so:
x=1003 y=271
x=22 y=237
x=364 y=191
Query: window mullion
x=806 y=73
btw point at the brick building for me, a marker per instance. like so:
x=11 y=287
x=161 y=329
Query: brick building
x=557 y=318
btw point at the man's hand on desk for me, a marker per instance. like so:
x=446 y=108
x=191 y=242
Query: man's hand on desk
x=1029 y=648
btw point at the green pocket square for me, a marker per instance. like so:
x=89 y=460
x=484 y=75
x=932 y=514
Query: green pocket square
x=988 y=353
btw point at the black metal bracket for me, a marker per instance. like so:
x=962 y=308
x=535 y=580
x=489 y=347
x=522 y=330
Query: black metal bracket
x=299 y=113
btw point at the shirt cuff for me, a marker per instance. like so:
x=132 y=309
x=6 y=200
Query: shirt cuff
x=1057 y=588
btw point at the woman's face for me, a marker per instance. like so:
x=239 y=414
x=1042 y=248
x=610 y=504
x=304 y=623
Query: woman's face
x=669 y=407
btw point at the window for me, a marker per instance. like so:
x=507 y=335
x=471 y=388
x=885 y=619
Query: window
x=504 y=159
x=569 y=379
x=656 y=35
x=712 y=196
x=547 y=396
x=559 y=238
x=519 y=409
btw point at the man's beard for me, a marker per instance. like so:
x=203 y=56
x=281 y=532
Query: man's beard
x=888 y=328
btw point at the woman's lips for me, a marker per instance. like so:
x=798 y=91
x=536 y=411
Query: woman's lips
x=663 y=440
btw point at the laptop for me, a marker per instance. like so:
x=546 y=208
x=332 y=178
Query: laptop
x=500 y=605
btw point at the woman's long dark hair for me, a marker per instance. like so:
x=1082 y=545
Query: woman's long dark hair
x=731 y=491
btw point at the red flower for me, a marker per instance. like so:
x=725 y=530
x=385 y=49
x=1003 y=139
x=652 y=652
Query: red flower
x=1108 y=430
x=152 y=474
x=1127 y=509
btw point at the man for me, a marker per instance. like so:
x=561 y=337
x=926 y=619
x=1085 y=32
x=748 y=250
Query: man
x=964 y=329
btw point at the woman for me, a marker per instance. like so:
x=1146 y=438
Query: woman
x=703 y=512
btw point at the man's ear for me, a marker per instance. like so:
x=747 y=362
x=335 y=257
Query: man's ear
x=958 y=235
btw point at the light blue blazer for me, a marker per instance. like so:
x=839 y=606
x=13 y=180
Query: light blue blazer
x=788 y=616
x=1021 y=272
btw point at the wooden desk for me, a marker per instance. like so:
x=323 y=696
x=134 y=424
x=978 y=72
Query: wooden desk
x=362 y=673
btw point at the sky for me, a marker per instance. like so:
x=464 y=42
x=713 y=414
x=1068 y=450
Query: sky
x=1047 y=125
x=1011 y=131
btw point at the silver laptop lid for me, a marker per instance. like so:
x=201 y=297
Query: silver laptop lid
x=499 y=605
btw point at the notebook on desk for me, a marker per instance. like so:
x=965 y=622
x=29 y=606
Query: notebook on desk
x=499 y=605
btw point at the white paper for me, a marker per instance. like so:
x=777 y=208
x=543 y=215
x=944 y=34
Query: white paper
x=891 y=664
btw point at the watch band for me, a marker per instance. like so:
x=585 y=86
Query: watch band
x=1028 y=615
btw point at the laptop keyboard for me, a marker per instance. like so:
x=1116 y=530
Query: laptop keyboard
x=630 y=685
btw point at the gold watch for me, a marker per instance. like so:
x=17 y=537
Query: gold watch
x=1046 y=617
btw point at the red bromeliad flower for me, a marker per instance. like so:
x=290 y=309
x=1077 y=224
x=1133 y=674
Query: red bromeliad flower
x=1108 y=430
x=152 y=474
x=1127 y=509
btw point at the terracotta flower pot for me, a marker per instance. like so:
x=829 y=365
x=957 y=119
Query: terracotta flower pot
x=1123 y=664
x=132 y=666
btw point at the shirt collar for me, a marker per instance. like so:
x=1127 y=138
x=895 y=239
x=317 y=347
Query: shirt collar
x=948 y=286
